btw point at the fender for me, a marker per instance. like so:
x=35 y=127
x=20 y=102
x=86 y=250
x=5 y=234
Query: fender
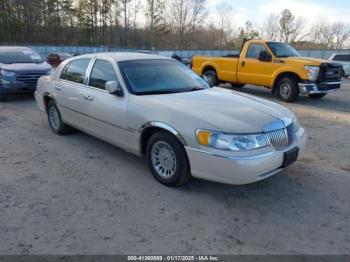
x=286 y=69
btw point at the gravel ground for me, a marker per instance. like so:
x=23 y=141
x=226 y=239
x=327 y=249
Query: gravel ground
x=78 y=195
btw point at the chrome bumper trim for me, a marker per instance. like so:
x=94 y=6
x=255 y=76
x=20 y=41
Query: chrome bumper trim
x=304 y=88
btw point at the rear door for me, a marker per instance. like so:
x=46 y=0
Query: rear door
x=105 y=113
x=253 y=71
x=68 y=91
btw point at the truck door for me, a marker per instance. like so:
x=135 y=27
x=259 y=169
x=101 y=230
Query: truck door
x=253 y=71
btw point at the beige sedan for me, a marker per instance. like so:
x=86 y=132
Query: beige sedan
x=156 y=107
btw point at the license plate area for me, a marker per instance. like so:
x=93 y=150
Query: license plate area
x=290 y=157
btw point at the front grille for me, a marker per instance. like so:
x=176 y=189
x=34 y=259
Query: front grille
x=329 y=72
x=281 y=138
x=29 y=78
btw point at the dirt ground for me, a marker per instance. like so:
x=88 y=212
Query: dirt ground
x=78 y=195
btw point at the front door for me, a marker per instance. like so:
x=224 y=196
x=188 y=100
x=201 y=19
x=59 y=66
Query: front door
x=105 y=113
x=253 y=71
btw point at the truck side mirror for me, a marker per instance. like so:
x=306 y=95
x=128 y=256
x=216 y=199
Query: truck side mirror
x=264 y=56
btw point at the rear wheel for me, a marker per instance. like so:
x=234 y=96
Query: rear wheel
x=55 y=120
x=167 y=159
x=3 y=98
x=317 y=96
x=287 y=89
x=211 y=77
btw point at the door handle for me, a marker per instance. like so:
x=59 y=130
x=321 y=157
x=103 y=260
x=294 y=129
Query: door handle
x=243 y=63
x=88 y=98
x=58 y=88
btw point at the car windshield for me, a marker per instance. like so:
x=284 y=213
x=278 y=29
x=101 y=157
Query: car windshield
x=283 y=50
x=20 y=56
x=160 y=77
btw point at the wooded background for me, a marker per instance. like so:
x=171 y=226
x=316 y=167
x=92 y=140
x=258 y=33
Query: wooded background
x=160 y=24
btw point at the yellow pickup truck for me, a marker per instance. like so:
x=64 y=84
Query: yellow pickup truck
x=274 y=65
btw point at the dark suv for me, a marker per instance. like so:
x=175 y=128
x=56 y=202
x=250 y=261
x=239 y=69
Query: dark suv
x=20 y=69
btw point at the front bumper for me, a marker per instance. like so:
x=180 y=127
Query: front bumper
x=322 y=88
x=240 y=170
x=15 y=88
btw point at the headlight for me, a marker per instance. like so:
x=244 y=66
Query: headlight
x=7 y=74
x=230 y=142
x=312 y=72
x=296 y=124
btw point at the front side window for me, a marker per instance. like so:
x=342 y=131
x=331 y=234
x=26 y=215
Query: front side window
x=102 y=72
x=75 y=71
x=161 y=76
x=254 y=51
x=283 y=50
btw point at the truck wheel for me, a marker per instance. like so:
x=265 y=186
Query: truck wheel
x=55 y=120
x=211 y=77
x=3 y=98
x=316 y=96
x=237 y=85
x=167 y=159
x=287 y=89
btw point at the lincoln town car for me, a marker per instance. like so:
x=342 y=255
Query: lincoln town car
x=156 y=107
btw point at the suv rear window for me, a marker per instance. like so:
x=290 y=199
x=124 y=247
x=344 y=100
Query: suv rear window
x=342 y=58
x=20 y=56
x=75 y=70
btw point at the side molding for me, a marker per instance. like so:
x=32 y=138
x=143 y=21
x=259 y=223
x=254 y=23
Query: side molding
x=162 y=126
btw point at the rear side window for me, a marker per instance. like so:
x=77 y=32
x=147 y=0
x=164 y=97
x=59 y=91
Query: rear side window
x=101 y=73
x=254 y=50
x=342 y=58
x=75 y=71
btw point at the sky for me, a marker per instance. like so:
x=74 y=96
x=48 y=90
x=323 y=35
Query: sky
x=257 y=10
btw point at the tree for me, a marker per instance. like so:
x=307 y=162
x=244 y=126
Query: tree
x=270 y=28
x=290 y=27
x=155 y=16
x=225 y=10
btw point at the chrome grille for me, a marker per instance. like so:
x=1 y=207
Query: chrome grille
x=280 y=138
x=29 y=78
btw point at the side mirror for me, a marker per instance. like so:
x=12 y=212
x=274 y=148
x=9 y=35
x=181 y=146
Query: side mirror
x=113 y=87
x=264 y=56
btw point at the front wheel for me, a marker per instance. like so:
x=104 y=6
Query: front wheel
x=317 y=96
x=55 y=119
x=287 y=89
x=167 y=159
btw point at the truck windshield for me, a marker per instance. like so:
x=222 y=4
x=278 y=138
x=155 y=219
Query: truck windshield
x=145 y=77
x=20 y=56
x=283 y=50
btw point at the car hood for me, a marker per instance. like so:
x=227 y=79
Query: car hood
x=26 y=67
x=305 y=60
x=229 y=111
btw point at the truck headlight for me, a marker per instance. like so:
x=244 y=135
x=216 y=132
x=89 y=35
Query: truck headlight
x=230 y=142
x=312 y=72
x=6 y=74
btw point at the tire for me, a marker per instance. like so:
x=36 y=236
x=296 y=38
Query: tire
x=3 y=98
x=317 y=96
x=211 y=77
x=287 y=89
x=167 y=160
x=55 y=120
x=237 y=85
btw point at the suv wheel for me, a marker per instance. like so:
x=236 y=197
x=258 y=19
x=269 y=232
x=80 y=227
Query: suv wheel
x=287 y=89
x=55 y=120
x=211 y=77
x=167 y=159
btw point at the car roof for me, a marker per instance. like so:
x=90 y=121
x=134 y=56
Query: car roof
x=14 y=48
x=123 y=56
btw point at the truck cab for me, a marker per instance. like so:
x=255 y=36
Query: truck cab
x=273 y=65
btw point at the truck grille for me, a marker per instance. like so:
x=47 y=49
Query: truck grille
x=329 y=72
x=281 y=138
x=29 y=78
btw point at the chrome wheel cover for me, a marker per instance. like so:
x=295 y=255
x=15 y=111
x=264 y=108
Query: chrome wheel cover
x=54 y=117
x=163 y=159
x=285 y=90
